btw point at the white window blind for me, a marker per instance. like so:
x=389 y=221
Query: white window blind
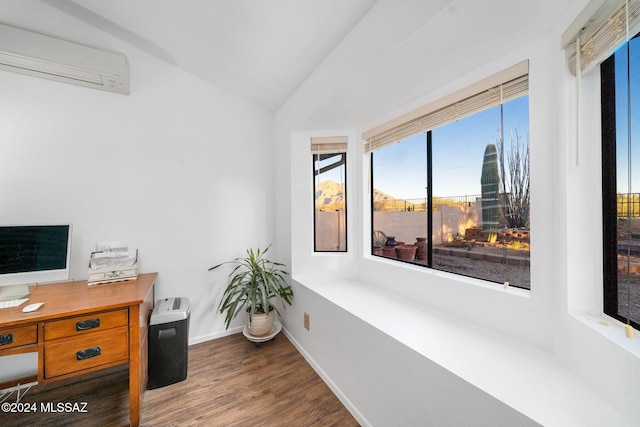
x=608 y=27
x=495 y=90
x=329 y=144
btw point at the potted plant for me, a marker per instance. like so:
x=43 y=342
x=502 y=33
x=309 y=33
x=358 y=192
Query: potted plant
x=255 y=284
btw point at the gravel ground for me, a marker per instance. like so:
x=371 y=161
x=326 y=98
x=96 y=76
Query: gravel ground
x=629 y=290
x=517 y=276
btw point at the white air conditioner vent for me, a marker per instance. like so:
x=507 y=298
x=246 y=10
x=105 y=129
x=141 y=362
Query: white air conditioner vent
x=39 y=55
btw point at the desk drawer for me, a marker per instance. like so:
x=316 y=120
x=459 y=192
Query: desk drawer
x=73 y=355
x=85 y=324
x=20 y=335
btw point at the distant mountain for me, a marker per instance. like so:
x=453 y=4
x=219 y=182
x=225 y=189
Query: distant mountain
x=385 y=202
x=379 y=196
x=330 y=196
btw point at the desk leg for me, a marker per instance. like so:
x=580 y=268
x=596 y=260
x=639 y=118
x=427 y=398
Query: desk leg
x=135 y=368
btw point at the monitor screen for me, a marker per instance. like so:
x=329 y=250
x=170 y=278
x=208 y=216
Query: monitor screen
x=34 y=253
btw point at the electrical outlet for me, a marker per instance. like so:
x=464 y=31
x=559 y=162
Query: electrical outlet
x=306 y=320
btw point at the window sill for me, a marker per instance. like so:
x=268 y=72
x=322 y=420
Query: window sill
x=610 y=328
x=544 y=391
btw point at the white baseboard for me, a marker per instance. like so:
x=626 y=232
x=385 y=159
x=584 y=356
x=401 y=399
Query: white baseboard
x=215 y=335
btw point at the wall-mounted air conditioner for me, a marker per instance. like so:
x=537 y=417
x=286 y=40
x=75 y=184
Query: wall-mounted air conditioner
x=39 y=55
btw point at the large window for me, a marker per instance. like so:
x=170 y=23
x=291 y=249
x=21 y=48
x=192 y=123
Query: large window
x=620 y=78
x=330 y=193
x=455 y=196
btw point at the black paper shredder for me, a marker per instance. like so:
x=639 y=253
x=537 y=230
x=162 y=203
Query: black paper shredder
x=168 y=342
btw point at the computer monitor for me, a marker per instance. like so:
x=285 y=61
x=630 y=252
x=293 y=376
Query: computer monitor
x=32 y=254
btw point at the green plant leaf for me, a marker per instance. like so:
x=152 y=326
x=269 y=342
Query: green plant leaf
x=254 y=282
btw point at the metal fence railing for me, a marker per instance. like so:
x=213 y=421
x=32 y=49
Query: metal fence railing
x=628 y=205
x=420 y=204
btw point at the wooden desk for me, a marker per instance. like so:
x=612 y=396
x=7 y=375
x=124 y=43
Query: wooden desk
x=84 y=328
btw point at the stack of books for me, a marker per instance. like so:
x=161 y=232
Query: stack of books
x=112 y=264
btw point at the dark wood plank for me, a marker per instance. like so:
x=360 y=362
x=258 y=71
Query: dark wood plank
x=230 y=382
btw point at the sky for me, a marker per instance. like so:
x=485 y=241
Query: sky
x=622 y=116
x=337 y=174
x=458 y=153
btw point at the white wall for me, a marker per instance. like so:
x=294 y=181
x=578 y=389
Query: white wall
x=159 y=170
x=179 y=168
x=364 y=83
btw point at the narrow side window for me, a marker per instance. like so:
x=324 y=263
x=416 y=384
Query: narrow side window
x=329 y=155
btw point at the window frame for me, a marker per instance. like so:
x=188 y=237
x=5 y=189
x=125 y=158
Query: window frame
x=611 y=299
x=332 y=150
x=430 y=206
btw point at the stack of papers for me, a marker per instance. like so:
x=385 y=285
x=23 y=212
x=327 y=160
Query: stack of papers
x=112 y=262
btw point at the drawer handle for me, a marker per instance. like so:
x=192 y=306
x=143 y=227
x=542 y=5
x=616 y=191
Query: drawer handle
x=6 y=339
x=88 y=353
x=88 y=324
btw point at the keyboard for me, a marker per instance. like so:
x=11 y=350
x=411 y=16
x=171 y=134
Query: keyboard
x=13 y=303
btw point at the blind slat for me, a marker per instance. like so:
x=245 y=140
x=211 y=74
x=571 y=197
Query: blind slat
x=430 y=119
x=603 y=34
x=329 y=144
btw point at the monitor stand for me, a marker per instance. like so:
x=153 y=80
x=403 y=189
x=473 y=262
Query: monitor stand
x=12 y=292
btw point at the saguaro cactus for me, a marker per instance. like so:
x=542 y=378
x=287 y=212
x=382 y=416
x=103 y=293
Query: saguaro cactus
x=490 y=182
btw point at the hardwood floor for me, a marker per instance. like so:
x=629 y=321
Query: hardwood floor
x=230 y=382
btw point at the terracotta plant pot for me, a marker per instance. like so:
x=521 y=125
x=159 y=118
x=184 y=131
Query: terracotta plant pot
x=421 y=244
x=261 y=324
x=406 y=252
x=389 y=251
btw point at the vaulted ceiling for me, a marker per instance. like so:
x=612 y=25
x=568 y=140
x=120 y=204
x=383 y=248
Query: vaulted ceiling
x=265 y=50
x=261 y=50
